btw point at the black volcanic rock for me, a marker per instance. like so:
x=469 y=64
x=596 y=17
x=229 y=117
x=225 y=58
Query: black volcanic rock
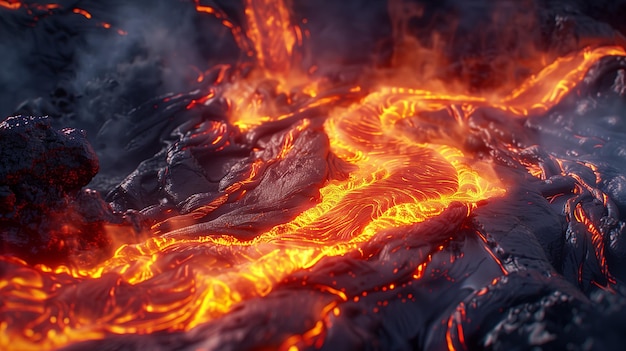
x=62 y=160
x=44 y=215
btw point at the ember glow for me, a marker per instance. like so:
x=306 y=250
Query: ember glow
x=384 y=174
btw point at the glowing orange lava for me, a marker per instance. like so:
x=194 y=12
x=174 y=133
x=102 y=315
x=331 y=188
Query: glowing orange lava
x=10 y=4
x=171 y=283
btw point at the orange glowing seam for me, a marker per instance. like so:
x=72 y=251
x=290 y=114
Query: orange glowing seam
x=492 y=254
x=449 y=341
x=314 y=336
x=201 y=100
x=205 y=9
x=238 y=34
x=544 y=90
x=596 y=239
x=15 y=5
x=11 y=5
x=47 y=7
x=82 y=12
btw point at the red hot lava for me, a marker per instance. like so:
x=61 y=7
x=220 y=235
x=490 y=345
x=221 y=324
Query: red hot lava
x=381 y=213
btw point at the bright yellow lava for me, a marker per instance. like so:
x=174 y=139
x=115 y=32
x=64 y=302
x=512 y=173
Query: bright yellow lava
x=168 y=283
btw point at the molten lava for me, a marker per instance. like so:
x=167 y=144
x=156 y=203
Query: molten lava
x=392 y=177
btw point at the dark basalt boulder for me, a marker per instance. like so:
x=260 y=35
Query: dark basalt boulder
x=44 y=214
x=34 y=153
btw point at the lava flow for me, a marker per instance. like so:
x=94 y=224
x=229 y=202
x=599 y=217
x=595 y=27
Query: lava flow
x=318 y=181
